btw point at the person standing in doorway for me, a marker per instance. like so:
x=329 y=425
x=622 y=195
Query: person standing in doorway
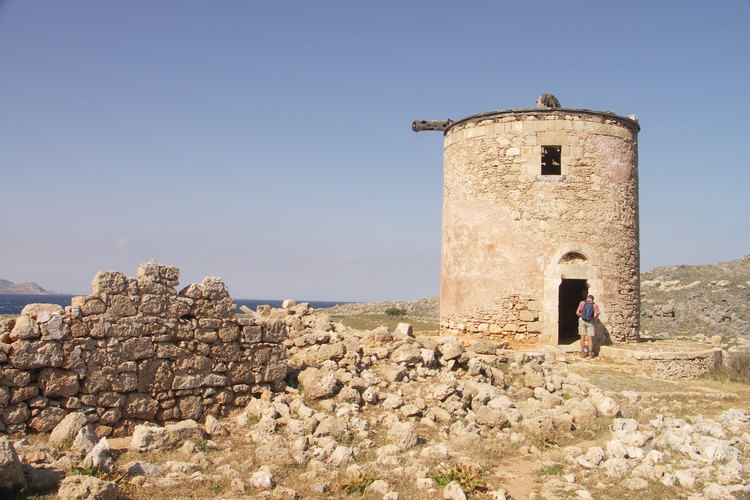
x=588 y=312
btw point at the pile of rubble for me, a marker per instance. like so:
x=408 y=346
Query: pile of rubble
x=386 y=412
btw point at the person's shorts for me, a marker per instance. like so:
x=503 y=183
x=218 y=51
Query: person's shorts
x=585 y=328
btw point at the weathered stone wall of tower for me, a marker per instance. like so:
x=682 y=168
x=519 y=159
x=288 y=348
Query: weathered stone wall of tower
x=510 y=234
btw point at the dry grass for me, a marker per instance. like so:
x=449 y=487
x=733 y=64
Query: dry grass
x=736 y=368
x=617 y=492
x=372 y=321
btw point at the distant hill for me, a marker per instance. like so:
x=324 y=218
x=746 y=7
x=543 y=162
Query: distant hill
x=676 y=301
x=423 y=309
x=8 y=287
x=712 y=299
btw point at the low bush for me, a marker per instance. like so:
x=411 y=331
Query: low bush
x=736 y=367
x=395 y=312
x=467 y=476
x=357 y=485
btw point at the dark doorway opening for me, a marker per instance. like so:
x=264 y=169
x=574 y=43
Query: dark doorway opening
x=571 y=293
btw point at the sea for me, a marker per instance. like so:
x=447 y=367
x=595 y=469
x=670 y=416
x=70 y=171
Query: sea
x=14 y=303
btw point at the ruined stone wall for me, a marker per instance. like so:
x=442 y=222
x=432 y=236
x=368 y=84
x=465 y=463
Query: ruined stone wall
x=136 y=350
x=510 y=315
x=510 y=234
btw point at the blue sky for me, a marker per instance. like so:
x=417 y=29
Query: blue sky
x=269 y=142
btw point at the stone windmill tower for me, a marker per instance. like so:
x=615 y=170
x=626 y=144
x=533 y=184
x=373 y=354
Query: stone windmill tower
x=540 y=208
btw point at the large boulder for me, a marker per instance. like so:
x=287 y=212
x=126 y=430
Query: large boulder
x=85 y=440
x=65 y=432
x=318 y=384
x=100 y=457
x=450 y=348
x=409 y=354
x=403 y=434
x=186 y=429
x=606 y=406
x=491 y=417
x=86 y=488
x=11 y=473
x=147 y=438
x=453 y=491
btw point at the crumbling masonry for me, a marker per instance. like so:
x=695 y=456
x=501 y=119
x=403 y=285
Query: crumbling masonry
x=136 y=350
x=540 y=207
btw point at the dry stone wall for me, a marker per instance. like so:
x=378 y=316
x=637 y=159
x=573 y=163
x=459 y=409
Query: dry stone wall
x=136 y=350
x=515 y=316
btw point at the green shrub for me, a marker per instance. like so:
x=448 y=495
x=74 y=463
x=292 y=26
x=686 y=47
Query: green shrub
x=551 y=470
x=202 y=445
x=467 y=476
x=357 y=485
x=395 y=312
x=89 y=470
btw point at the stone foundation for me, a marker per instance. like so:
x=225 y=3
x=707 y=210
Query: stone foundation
x=667 y=362
x=136 y=350
x=513 y=318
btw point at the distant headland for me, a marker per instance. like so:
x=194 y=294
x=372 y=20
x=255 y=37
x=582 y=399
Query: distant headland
x=8 y=287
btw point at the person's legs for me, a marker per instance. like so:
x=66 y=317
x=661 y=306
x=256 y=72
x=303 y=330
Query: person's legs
x=582 y=334
x=586 y=332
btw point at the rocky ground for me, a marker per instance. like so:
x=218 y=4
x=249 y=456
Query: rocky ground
x=391 y=415
x=684 y=301
x=676 y=302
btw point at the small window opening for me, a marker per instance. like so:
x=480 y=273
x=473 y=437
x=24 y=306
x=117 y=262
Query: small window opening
x=551 y=160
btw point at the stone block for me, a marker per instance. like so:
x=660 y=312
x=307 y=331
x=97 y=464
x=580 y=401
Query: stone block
x=67 y=429
x=108 y=282
x=138 y=348
x=11 y=377
x=30 y=355
x=122 y=305
x=47 y=419
x=58 y=383
x=526 y=316
x=191 y=407
x=274 y=331
x=20 y=394
x=87 y=487
x=154 y=375
x=25 y=328
x=140 y=406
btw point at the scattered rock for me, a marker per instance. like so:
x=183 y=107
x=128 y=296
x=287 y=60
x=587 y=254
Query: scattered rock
x=262 y=479
x=453 y=491
x=148 y=438
x=86 y=488
x=11 y=473
x=65 y=432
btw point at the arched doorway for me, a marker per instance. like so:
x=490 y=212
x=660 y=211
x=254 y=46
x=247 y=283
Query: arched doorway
x=570 y=294
x=572 y=274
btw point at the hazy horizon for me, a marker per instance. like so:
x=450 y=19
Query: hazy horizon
x=182 y=285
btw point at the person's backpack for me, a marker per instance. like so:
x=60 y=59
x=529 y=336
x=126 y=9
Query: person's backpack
x=587 y=313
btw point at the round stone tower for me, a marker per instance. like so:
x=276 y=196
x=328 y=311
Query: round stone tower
x=540 y=208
